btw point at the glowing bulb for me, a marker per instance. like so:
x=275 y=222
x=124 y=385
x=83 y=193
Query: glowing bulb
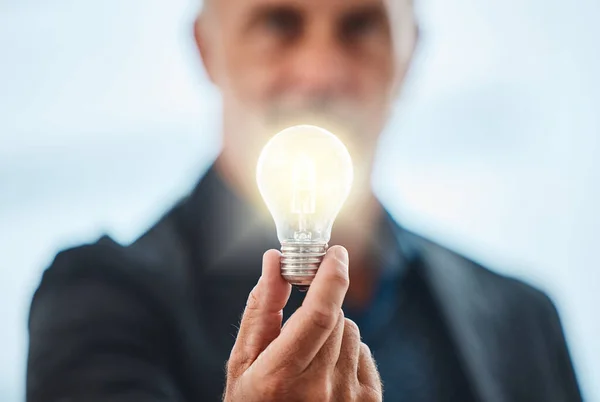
x=304 y=175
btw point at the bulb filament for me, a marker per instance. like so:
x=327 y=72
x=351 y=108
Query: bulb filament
x=304 y=194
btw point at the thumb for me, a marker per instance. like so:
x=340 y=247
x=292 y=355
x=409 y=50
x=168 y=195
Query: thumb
x=261 y=322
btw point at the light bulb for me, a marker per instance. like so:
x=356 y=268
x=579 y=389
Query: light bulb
x=304 y=175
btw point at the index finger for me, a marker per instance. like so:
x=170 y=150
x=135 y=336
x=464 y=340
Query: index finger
x=261 y=321
x=309 y=327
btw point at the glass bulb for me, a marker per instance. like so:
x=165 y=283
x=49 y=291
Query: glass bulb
x=304 y=175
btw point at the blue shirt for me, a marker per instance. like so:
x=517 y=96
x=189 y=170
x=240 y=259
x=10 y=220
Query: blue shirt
x=416 y=358
x=390 y=263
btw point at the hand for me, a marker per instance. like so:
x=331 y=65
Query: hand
x=316 y=356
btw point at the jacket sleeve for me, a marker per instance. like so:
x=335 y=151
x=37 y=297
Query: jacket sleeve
x=94 y=338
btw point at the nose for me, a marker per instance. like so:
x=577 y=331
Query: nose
x=321 y=68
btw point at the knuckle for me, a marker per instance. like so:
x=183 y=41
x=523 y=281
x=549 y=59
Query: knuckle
x=237 y=364
x=323 y=318
x=339 y=276
x=323 y=387
x=272 y=388
x=364 y=348
x=351 y=329
x=288 y=367
x=244 y=362
x=253 y=301
x=351 y=334
x=370 y=394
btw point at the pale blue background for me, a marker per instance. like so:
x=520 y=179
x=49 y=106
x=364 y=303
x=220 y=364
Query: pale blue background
x=106 y=118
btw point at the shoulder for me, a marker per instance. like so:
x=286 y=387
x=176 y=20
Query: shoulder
x=497 y=289
x=516 y=323
x=150 y=268
x=106 y=314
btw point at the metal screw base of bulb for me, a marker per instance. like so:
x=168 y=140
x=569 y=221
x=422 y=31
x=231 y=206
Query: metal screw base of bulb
x=300 y=262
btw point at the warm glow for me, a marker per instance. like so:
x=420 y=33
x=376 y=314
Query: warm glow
x=304 y=174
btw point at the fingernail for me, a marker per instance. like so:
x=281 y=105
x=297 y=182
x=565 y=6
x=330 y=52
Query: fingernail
x=342 y=255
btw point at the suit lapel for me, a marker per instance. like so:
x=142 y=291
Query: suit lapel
x=467 y=311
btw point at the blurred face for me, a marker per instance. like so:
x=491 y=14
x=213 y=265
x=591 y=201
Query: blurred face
x=333 y=63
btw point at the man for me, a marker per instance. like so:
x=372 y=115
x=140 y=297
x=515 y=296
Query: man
x=155 y=320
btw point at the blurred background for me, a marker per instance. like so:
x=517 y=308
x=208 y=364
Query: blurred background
x=106 y=119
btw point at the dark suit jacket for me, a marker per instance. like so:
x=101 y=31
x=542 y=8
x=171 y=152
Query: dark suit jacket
x=149 y=321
